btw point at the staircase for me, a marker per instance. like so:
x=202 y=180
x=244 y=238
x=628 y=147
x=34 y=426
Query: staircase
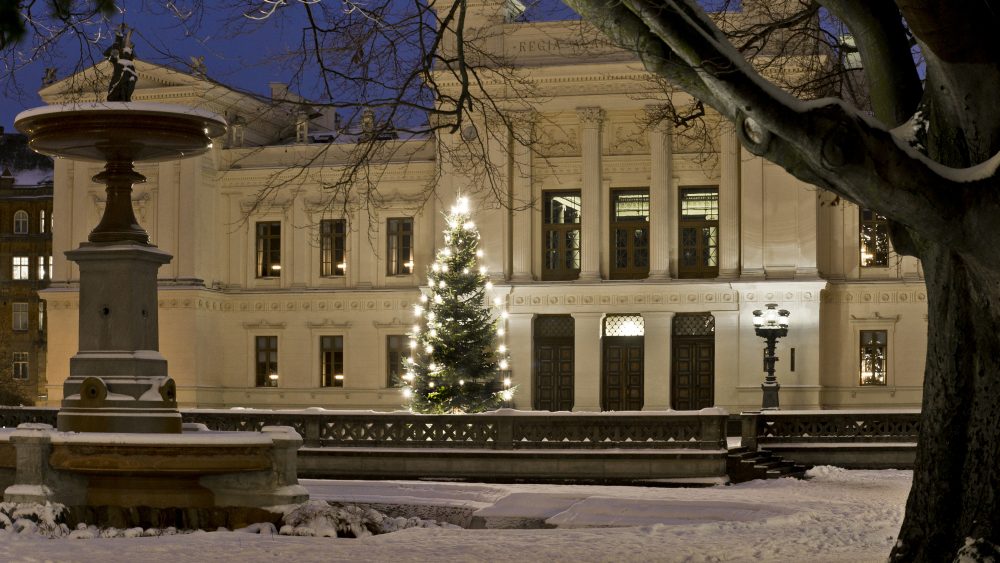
x=744 y=464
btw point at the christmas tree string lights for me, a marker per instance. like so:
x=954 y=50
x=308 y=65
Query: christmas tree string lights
x=458 y=351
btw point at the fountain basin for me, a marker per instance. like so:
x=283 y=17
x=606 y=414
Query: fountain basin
x=119 y=131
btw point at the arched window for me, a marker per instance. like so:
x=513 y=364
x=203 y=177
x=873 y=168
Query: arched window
x=21 y=222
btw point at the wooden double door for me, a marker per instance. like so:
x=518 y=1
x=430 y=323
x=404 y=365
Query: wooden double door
x=553 y=374
x=622 y=373
x=692 y=373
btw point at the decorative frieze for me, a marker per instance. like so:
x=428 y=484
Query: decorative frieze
x=869 y=296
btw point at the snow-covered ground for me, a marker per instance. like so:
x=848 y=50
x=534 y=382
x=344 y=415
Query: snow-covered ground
x=837 y=515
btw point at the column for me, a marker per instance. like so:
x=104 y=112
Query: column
x=366 y=259
x=729 y=203
x=752 y=218
x=299 y=234
x=520 y=188
x=808 y=207
x=656 y=348
x=590 y=148
x=164 y=234
x=520 y=345
x=661 y=223
x=587 y=361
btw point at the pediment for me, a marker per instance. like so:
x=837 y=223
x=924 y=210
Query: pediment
x=91 y=83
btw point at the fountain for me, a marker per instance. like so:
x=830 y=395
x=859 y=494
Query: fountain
x=119 y=441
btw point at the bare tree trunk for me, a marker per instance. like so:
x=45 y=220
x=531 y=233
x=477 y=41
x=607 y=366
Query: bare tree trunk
x=957 y=474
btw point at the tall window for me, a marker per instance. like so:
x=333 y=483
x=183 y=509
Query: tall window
x=629 y=234
x=873 y=356
x=874 y=238
x=44 y=267
x=21 y=222
x=331 y=361
x=42 y=227
x=20 y=320
x=268 y=249
x=395 y=351
x=332 y=247
x=20 y=268
x=20 y=370
x=699 y=233
x=561 y=235
x=267 y=361
x=41 y=316
x=399 y=253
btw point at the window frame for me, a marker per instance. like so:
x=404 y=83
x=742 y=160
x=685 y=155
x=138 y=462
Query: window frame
x=20 y=362
x=879 y=225
x=42 y=227
x=20 y=272
x=397 y=362
x=331 y=380
x=398 y=240
x=20 y=321
x=885 y=356
x=271 y=365
x=561 y=232
x=332 y=248
x=22 y=222
x=267 y=248
x=630 y=225
x=699 y=270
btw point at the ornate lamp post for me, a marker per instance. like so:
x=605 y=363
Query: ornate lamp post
x=770 y=324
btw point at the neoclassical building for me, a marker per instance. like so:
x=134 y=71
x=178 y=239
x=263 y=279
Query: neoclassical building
x=630 y=279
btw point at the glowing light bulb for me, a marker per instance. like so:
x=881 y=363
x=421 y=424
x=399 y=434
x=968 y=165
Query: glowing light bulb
x=479 y=254
x=418 y=310
x=410 y=360
x=446 y=251
x=503 y=364
x=482 y=270
x=432 y=367
x=468 y=226
x=407 y=393
x=502 y=349
x=504 y=314
x=436 y=267
x=438 y=299
x=465 y=270
x=431 y=384
x=413 y=343
x=442 y=285
x=461 y=382
x=428 y=348
x=496 y=301
x=423 y=297
x=431 y=315
x=433 y=332
x=409 y=376
x=444 y=267
x=416 y=329
x=507 y=394
x=506 y=382
x=489 y=285
x=501 y=331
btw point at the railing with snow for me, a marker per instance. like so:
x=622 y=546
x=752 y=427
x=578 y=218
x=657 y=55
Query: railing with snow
x=498 y=430
x=777 y=427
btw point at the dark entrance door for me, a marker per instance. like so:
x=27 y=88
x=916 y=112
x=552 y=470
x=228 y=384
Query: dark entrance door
x=553 y=365
x=622 y=374
x=693 y=362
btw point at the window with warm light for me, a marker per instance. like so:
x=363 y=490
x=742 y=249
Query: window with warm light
x=874 y=355
x=396 y=348
x=268 y=249
x=20 y=366
x=41 y=317
x=561 y=235
x=873 y=236
x=332 y=247
x=629 y=234
x=267 y=361
x=699 y=233
x=331 y=361
x=44 y=267
x=42 y=226
x=21 y=222
x=20 y=318
x=20 y=268
x=399 y=241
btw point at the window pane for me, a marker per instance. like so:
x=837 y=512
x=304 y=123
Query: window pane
x=874 y=239
x=21 y=222
x=267 y=361
x=395 y=346
x=700 y=203
x=331 y=361
x=873 y=357
x=631 y=205
x=268 y=249
x=562 y=208
x=20 y=318
x=399 y=251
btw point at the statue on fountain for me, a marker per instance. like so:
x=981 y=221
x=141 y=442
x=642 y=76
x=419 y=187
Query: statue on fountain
x=121 y=53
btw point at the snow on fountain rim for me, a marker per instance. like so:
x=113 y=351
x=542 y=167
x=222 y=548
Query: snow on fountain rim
x=145 y=107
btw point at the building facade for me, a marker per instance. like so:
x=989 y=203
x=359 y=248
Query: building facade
x=25 y=268
x=630 y=257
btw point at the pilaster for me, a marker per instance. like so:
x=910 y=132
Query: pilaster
x=591 y=119
x=661 y=224
x=587 y=361
x=522 y=123
x=729 y=203
x=656 y=374
x=519 y=344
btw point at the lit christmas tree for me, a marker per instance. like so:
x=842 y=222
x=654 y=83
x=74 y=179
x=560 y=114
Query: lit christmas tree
x=457 y=350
